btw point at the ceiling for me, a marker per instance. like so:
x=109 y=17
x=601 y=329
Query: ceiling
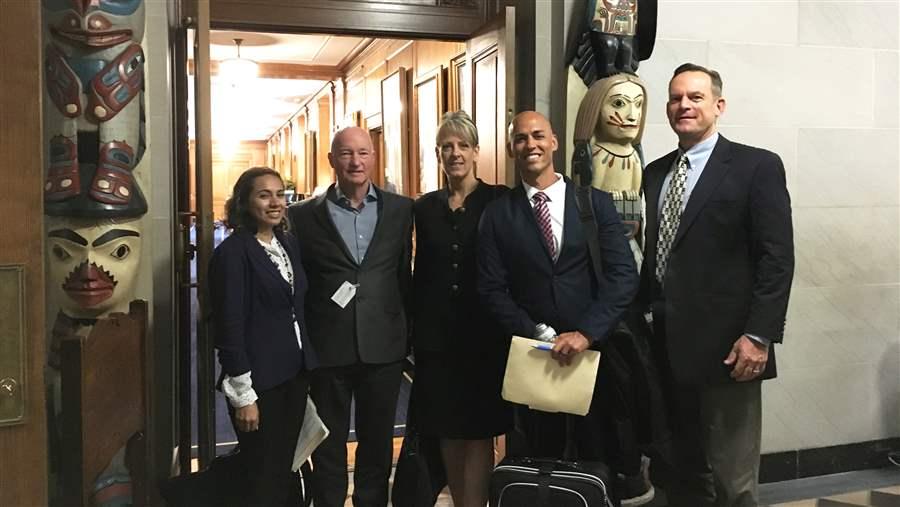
x=254 y=108
x=328 y=50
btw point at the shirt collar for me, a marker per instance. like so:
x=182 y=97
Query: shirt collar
x=340 y=198
x=556 y=192
x=699 y=153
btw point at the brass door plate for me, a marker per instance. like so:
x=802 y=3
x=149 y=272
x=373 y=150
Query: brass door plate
x=12 y=344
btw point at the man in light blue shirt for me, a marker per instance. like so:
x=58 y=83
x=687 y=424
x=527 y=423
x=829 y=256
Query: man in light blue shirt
x=716 y=278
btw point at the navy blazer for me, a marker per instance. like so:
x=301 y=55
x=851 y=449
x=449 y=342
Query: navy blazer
x=253 y=311
x=520 y=285
x=731 y=262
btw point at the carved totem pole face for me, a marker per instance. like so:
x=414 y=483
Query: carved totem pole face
x=95 y=24
x=621 y=114
x=92 y=265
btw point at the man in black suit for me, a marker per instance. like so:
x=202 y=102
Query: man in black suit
x=356 y=244
x=716 y=277
x=534 y=267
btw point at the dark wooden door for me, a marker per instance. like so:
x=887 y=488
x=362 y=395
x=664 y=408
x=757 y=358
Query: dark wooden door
x=23 y=441
x=490 y=56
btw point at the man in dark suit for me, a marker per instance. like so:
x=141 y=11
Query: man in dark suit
x=534 y=267
x=356 y=244
x=717 y=276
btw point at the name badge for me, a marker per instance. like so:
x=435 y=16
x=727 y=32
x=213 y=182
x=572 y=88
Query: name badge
x=344 y=294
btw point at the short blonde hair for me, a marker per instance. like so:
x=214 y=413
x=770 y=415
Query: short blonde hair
x=457 y=123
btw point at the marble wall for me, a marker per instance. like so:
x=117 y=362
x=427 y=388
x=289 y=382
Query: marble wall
x=816 y=82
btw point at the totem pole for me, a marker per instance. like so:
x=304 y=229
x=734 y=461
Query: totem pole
x=619 y=35
x=94 y=135
x=607 y=133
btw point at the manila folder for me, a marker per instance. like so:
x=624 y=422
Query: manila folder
x=535 y=379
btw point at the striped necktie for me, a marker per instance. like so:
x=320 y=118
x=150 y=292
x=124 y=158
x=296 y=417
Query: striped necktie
x=671 y=216
x=542 y=215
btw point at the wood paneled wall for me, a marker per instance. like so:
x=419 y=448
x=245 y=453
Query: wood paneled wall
x=353 y=100
x=23 y=447
x=227 y=165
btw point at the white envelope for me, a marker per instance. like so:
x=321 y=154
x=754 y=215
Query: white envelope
x=535 y=379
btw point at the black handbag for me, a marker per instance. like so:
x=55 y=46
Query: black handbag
x=420 y=475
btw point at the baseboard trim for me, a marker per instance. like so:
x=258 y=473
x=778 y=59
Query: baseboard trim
x=789 y=465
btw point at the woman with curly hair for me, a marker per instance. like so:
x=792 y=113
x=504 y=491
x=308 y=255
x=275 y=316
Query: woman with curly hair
x=257 y=287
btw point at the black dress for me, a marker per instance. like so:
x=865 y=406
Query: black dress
x=460 y=352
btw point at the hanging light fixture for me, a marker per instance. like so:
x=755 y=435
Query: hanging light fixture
x=237 y=70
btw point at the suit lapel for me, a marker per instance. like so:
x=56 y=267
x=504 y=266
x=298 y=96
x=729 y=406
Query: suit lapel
x=260 y=259
x=716 y=169
x=521 y=200
x=320 y=208
x=571 y=220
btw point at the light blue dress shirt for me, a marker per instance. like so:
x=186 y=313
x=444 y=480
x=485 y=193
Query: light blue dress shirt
x=698 y=156
x=355 y=225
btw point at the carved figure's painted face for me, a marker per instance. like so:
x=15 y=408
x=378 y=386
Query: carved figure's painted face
x=621 y=113
x=95 y=24
x=92 y=268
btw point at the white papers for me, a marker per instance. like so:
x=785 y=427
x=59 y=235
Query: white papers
x=535 y=379
x=312 y=433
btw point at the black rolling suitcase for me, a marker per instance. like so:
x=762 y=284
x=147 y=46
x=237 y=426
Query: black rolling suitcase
x=539 y=482
x=529 y=482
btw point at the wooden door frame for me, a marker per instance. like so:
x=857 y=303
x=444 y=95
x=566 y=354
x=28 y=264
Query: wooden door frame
x=359 y=18
x=23 y=443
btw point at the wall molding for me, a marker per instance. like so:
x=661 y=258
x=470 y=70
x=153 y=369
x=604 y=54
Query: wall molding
x=801 y=463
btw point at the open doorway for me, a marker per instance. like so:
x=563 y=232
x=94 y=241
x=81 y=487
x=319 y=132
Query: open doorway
x=287 y=97
x=277 y=99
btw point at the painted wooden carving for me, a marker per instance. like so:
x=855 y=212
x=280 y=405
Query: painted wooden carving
x=608 y=131
x=94 y=74
x=93 y=264
x=618 y=35
x=94 y=136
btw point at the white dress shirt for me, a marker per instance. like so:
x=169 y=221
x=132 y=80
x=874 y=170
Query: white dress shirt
x=556 y=204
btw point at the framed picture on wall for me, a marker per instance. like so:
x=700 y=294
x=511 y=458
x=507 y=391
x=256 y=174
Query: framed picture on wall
x=459 y=96
x=428 y=104
x=394 y=124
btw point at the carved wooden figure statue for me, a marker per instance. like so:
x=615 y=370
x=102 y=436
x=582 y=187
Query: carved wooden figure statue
x=94 y=78
x=612 y=113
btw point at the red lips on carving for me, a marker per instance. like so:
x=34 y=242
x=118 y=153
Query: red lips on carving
x=89 y=285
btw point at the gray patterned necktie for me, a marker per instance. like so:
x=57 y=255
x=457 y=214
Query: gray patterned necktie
x=671 y=216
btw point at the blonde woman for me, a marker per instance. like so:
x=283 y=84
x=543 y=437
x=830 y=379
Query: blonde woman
x=459 y=351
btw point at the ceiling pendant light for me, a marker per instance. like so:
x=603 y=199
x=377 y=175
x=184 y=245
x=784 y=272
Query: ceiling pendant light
x=237 y=70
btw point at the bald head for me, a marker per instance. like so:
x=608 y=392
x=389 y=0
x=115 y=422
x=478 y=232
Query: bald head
x=351 y=157
x=351 y=133
x=526 y=116
x=531 y=144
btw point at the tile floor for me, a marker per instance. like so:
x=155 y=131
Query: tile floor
x=868 y=488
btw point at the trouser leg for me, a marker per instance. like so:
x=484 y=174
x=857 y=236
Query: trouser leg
x=331 y=390
x=376 y=390
x=267 y=453
x=733 y=419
